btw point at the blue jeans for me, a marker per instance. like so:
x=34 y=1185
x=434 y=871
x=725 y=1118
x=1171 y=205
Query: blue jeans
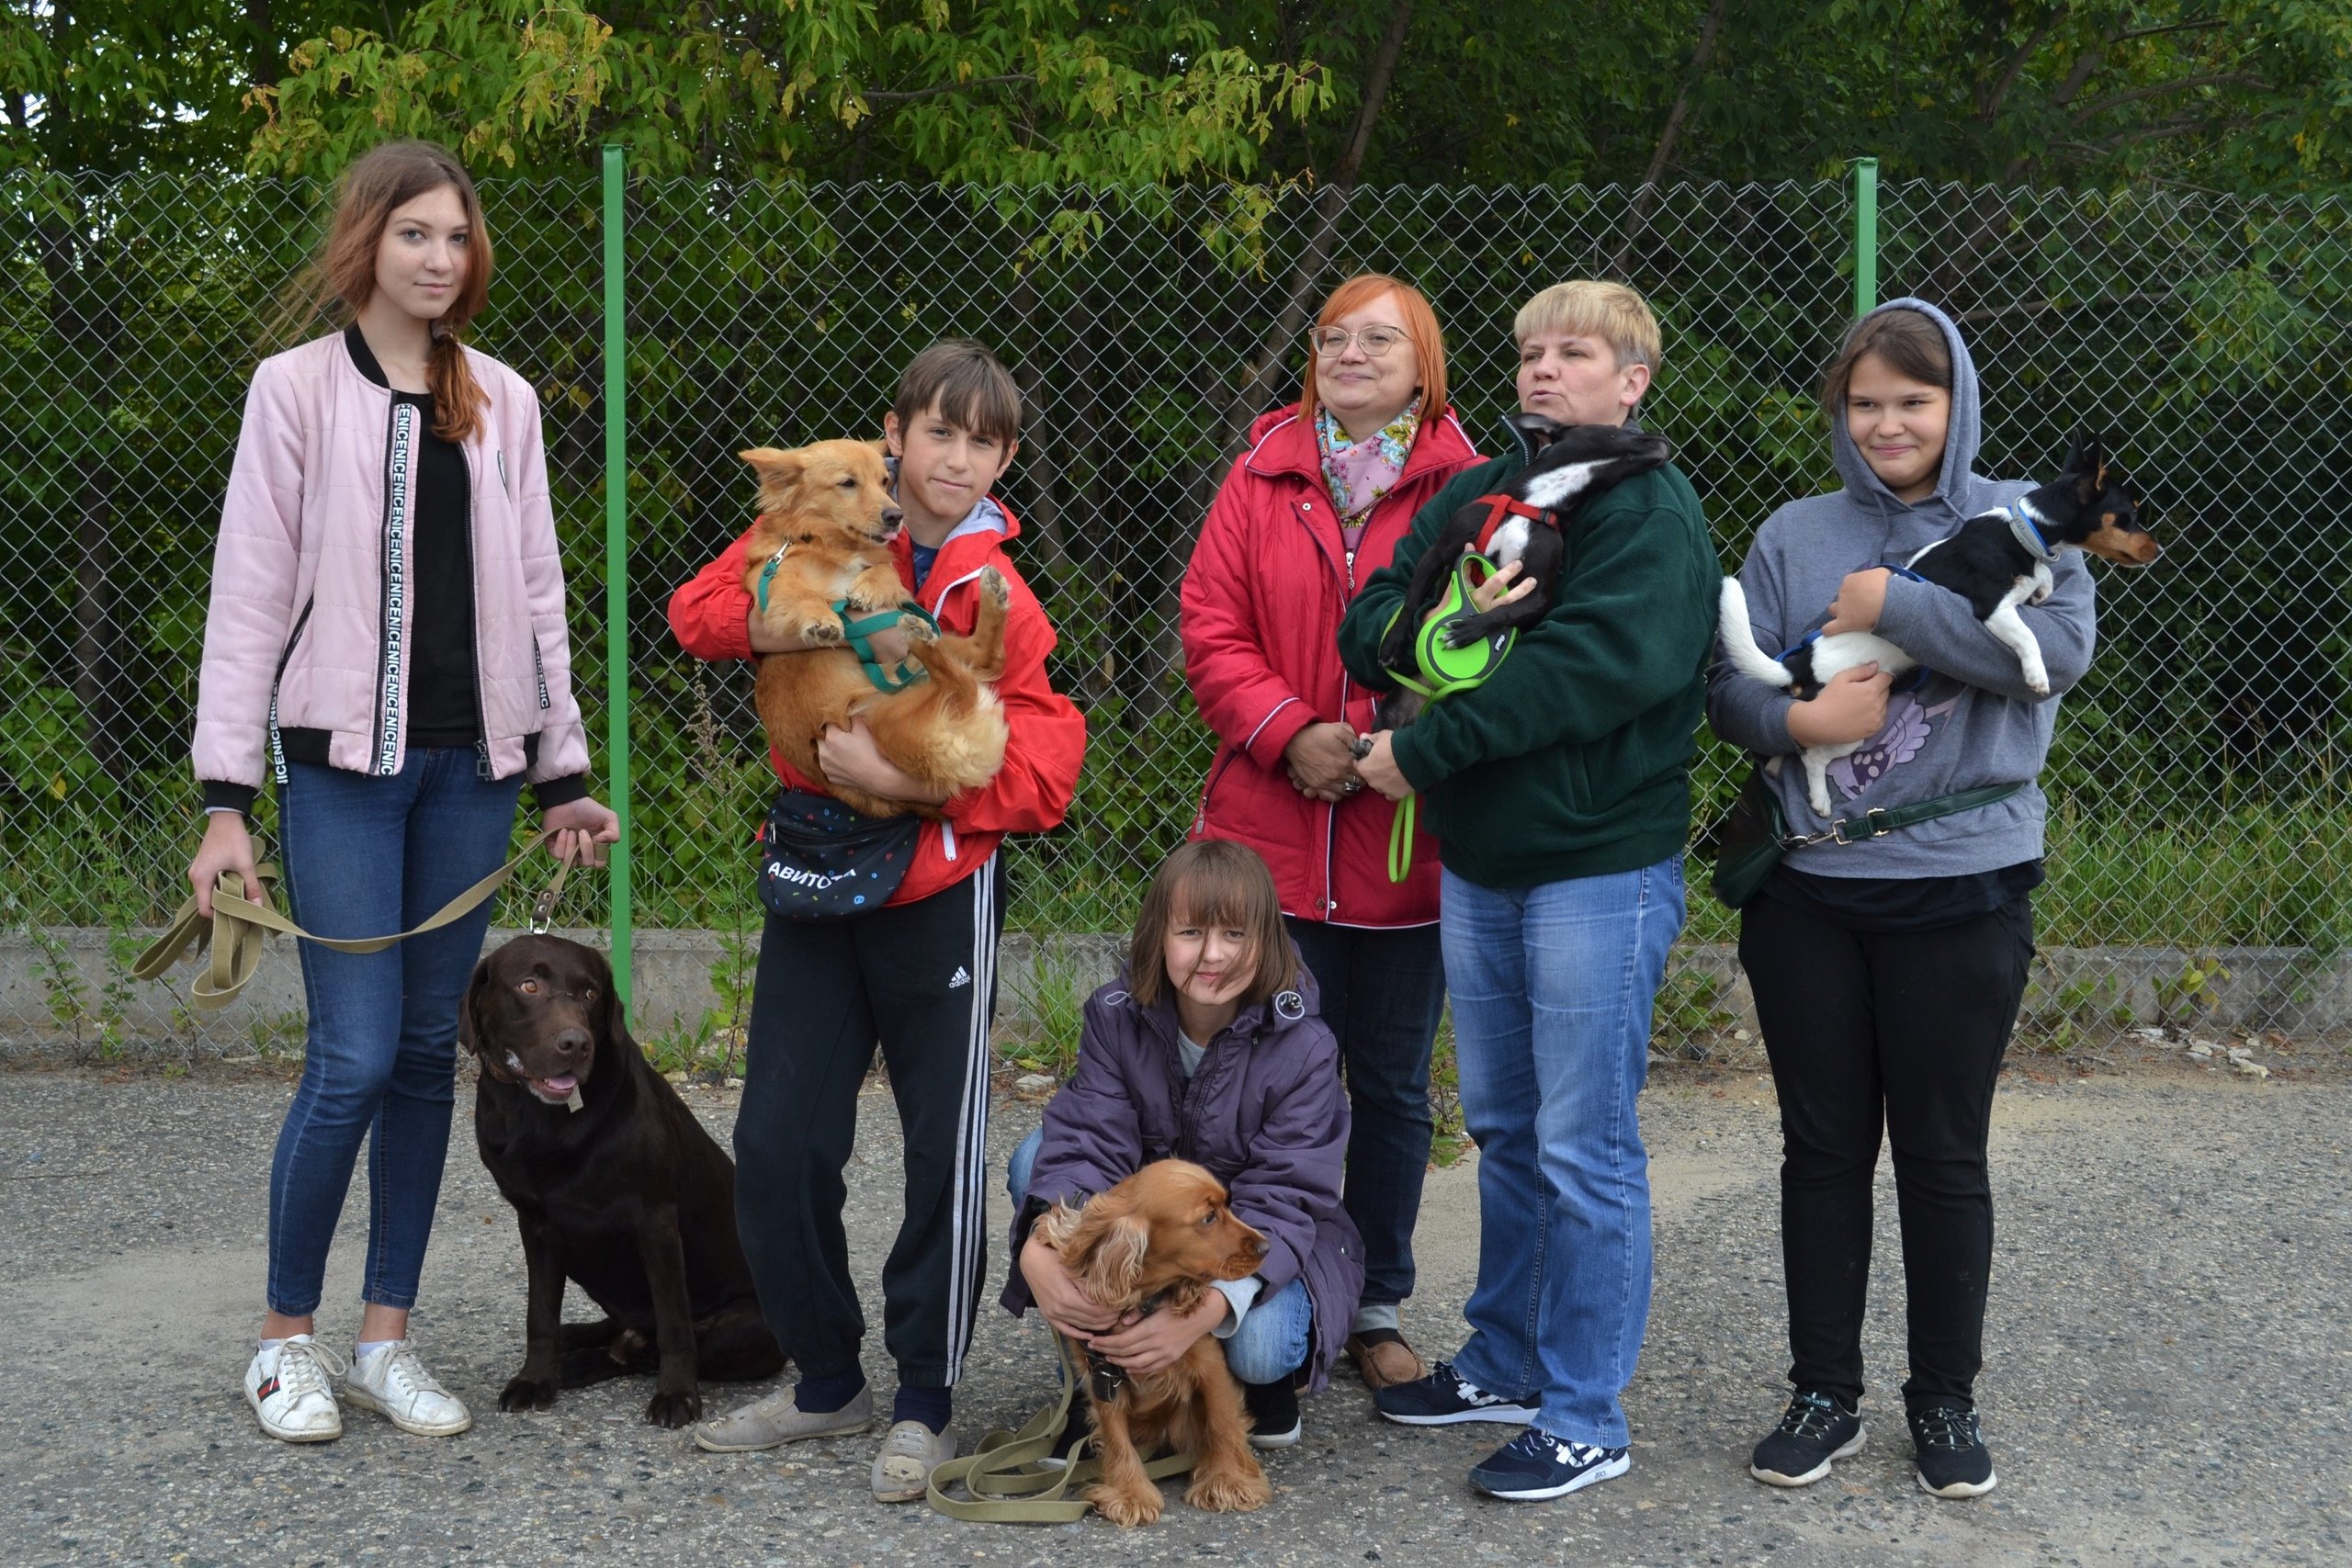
x=1383 y=991
x=365 y=856
x=1271 y=1342
x=1552 y=989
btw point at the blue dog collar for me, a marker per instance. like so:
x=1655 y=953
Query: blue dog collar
x=2024 y=528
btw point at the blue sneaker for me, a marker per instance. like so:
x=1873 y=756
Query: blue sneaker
x=1536 y=1465
x=1445 y=1397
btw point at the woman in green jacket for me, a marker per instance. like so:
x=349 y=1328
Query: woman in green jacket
x=1559 y=792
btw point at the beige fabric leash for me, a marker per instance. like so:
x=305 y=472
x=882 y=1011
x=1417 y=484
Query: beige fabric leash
x=238 y=925
x=1005 y=1482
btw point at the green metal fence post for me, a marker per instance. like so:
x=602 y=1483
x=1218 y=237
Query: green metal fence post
x=1865 y=235
x=616 y=566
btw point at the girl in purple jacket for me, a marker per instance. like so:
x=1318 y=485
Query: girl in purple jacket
x=1208 y=1050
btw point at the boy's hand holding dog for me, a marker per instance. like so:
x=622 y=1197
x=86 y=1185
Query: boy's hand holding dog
x=891 y=646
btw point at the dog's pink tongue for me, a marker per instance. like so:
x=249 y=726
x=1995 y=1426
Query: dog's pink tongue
x=563 y=1085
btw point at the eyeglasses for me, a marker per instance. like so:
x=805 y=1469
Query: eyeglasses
x=1333 y=342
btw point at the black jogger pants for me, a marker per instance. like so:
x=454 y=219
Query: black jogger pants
x=919 y=979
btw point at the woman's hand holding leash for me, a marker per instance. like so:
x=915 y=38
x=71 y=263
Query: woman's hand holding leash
x=1153 y=1342
x=581 y=828
x=1852 y=707
x=1061 y=1300
x=1322 y=762
x=227 y=847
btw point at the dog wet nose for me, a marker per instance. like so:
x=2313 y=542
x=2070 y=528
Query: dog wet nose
x=892 y=517
x=575 y=1042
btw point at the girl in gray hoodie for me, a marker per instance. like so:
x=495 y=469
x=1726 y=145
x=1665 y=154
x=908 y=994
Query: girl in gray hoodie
x=1887 y=972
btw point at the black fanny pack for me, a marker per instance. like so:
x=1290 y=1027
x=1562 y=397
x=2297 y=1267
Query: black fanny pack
x=1754 y=836
x=820 y=861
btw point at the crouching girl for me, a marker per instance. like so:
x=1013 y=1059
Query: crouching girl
x=1209 y=1049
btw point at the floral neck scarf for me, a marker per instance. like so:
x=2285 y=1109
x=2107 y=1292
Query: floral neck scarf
x=1360 y=472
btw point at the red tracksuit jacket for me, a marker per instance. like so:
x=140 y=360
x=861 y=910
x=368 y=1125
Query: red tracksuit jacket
x=1045 y=742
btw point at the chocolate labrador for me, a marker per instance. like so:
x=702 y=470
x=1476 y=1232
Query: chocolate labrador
x=617 y=1188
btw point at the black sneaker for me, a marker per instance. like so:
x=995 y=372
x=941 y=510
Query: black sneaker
x=1273 y=1412
x=1953 y=1460
x=1536 y=1465
x=1081 y=1427
x=1443 y=1398
x=1815 y=1430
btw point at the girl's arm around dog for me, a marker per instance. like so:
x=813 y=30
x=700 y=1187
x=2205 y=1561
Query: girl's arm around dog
x=1290 y=1184
x=1744 y=711
x=1093 y=1136
x=1939 y=629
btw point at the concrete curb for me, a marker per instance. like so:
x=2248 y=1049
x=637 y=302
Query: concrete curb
x=1043 y=977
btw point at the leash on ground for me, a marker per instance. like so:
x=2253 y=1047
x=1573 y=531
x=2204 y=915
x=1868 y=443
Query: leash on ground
x=235 y=930
x=1004 y=1480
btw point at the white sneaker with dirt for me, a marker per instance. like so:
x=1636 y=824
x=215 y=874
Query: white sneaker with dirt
x=394 y=1385
x=292 y=1389
x=912 y=1452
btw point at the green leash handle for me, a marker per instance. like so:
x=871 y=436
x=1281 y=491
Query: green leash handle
x=1400 y=838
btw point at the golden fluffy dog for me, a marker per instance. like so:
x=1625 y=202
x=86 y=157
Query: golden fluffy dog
x=1154 y=1242
x=824 y=538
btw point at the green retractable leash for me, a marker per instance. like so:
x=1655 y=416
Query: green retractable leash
x=1444 y=668
x=860 y=630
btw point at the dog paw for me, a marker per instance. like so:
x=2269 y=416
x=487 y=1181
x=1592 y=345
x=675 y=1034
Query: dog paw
x=993 y=586
x=1127 y=1510
x=918 y=629
x=1230 y=1493
x=821 y=633
x=675 y=1410
x=2039 y=688
x=523 y=1393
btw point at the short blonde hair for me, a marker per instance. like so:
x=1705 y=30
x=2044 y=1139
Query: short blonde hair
x=1615 y=314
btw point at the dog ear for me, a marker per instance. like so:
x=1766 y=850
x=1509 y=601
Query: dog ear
x=1114 y=1265
x=772 y=466
x=469 y=1026
x=2087 y=464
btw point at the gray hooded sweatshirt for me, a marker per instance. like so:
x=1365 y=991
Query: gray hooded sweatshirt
x=1971 y=722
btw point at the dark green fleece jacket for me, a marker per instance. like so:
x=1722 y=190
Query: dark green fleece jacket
x=1574 y=758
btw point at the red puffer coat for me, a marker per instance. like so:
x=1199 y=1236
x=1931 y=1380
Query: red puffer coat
x=1262 y=600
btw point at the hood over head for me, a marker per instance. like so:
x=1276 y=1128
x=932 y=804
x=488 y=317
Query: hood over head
x=1960 y=439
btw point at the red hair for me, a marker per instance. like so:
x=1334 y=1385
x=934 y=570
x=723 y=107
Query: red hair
x=344 y=271
x=1420 y=327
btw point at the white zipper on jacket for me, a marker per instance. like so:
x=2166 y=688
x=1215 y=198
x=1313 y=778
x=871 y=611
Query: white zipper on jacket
x=399 y=462
x=947 y=828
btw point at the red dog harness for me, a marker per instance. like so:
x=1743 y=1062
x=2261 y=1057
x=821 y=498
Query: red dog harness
x=1501 y=506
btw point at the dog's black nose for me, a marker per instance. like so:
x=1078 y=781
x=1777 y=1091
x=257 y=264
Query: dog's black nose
x=575 y=1042
x=892 y=517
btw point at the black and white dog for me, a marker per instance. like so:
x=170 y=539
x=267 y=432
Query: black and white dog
x=1521 y=523
x=1996 y=560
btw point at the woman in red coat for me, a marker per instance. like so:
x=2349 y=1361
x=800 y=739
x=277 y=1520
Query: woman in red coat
x=1314 y=506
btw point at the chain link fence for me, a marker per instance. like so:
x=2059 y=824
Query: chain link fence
x=2198 y=781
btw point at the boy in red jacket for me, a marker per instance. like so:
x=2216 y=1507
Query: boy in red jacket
x=919 y=974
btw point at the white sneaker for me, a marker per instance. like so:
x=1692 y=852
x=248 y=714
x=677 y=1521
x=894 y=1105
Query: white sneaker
x=292 y=1389
x=393 y=1384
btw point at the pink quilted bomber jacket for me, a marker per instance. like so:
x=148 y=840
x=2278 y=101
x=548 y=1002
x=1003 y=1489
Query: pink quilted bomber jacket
x=308 y=619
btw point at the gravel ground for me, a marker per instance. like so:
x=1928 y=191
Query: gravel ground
x=2170 y=1373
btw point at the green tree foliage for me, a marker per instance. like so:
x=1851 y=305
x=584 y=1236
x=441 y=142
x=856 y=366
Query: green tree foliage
x=1022 y=92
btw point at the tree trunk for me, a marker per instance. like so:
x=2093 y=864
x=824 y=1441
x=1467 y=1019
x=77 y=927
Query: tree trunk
x=1639 y=214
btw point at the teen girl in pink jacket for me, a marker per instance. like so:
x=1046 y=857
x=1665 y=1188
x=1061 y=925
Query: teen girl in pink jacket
x=387 y=645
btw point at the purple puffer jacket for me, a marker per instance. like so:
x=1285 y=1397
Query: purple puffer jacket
x=1265 y=1114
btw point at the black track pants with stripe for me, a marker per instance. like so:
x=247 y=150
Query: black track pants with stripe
x=921 y=980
